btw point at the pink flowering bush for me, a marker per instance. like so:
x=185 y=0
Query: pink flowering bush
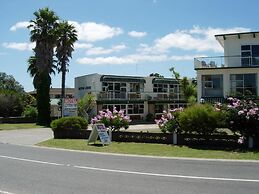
x=115 y=120
x=169 y=121
x=243 y=116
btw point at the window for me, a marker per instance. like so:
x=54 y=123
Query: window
x=111 y=107
x=160 y=88
x=250 y=55
x=212 y=85
x=135 y=108
x=136 y=87
x=159 y=108
x=243 y=84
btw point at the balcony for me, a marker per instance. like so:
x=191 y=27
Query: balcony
x=225 y=62
x=119 y=96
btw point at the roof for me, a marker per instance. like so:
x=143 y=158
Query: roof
x=222 y=37
x=164 y=81
x=123 y=78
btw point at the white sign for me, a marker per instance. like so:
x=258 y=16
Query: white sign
x=99 y=130
x=70 y=107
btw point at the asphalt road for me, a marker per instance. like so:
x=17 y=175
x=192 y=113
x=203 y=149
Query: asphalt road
x=25 y=169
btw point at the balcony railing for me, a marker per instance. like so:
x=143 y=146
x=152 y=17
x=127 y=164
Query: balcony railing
x=225 y=61
x=119 y=96
x=139 y=96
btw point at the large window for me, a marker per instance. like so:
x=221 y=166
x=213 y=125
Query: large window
x=212 y=85
x=243 y=84
x=160 y=88
x=250 y=55
x=114 y=90
x=135 y=108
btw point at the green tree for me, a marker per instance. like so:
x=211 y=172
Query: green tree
x=7 y=82
x=43 y=31
x=155 y=75
x=187 y=87
x=65 y=47
x=86 y=105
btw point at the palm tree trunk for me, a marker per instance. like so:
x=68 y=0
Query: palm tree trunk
x=63 y=83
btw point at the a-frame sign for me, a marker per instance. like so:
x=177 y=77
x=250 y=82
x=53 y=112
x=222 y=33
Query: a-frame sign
x=100 y=130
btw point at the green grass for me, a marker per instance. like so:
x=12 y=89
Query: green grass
x=150 y=149
x=7 y=126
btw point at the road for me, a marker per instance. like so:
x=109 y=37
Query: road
x=27 y=169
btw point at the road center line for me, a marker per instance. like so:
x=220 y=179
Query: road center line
x=5 y=192
x=133 y=172
x=29 y=160
x=168 y=175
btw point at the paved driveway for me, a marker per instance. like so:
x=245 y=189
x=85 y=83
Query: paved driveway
x=25 y=136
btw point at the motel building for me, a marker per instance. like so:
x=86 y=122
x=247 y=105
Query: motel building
x=138 y=96
x=234 y=74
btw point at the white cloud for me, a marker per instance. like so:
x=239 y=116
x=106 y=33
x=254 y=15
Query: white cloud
x=128 y=59
x=91 y=31
x=19 y=25
x=82 y=45
x=103 y=51
x=185 y=57
x=19 y=46
x=196 y=39
x=137 y=34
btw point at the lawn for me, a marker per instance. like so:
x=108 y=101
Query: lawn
x=7 y=126
x=151 y=149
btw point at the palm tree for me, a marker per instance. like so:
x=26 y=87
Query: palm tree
x=44 y=33
x=65 y=47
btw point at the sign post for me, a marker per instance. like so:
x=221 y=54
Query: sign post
x=99 y=130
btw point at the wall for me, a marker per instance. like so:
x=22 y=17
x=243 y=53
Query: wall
x=226 y=77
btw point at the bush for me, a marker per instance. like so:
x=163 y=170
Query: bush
x=69 y=123
x=30 y=112
x=150 y=117
x=200 y=119
x=243 y=117
x=114 y=120
x=169 y=122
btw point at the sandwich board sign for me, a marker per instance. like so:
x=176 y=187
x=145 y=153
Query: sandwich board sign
x=99 y=130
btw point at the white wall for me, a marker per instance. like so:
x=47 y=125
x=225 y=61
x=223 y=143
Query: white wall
x=226 y=77
x=232 y=47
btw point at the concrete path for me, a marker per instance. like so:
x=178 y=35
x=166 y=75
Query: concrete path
x=25 y=136
x=34 y=136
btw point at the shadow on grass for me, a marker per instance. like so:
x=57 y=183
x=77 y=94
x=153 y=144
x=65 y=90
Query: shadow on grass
x=241 y=149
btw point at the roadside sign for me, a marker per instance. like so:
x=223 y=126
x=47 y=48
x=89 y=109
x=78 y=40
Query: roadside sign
x=69 y=107
x=99 y=130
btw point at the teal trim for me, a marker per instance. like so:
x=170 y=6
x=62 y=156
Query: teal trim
x=164 y=81
x=123 y=79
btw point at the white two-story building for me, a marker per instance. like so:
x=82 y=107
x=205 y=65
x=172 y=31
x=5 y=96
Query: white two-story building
x=234 y=74
x=138 y=96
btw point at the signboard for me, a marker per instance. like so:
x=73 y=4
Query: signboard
x=99 y=130
x=69 y=107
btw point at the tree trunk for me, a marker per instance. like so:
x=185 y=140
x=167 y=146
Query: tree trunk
x=63 y=82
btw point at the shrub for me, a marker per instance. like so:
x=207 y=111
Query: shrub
x=150 y=117
x=242 y=116
x=69 y=123
x=114 y=120
x=30 y=112
x=169 y=122
x=200 y=119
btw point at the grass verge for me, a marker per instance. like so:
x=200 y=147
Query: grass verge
x=12 y=126
x=150 y=149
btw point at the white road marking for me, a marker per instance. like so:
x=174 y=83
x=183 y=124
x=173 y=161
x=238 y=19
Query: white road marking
x=134 y=172
x=5 y=192
x=168 y=175
x=29 y=160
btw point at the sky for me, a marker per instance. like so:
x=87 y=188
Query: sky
x=126 y=37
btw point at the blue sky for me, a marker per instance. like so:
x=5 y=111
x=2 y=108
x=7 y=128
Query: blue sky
x=126 y=37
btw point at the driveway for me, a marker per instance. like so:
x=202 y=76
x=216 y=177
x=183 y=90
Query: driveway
x=25 y=136
x=34 y=136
